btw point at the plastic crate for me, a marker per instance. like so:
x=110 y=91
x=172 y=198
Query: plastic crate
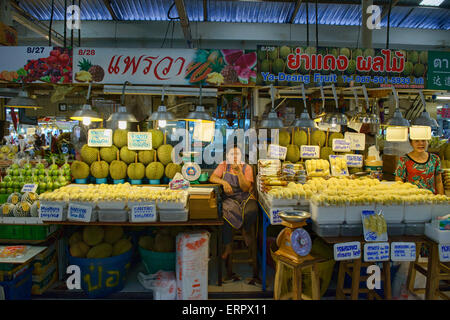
x=351 y=230
x=155 y=261
x=326 y=230
x=415 y=229
x=395 y=229
x=19 y=288
x=113 y=216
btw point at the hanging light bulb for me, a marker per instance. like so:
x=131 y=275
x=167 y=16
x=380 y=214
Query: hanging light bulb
x=162 y=115
x=86 y=121
x=199 y=113
x=304 y=121
x=397 y=120
x=122 y=125
x=122 y=117
x=424 y=119
x=86 y=112
x=162 y=123
x=335 y=118
x=272 y=121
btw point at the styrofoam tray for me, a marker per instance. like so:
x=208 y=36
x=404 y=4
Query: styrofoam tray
x=327 y=215
x=353 y=213
x=113 y=216
x=114 y=205
x=398 y=134
x=326 y=230
x=131 y=204
x=418 y=213
x=168 y=205
x=392 y=213
x=440 y=236
x=438 y=210
x=273 y=202
x=173 y=215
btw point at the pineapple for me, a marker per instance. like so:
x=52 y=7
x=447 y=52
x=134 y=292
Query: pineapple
x=84 y=65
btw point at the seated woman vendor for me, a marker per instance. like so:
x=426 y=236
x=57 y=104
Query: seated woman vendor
x=421 y=168
x=240 y=208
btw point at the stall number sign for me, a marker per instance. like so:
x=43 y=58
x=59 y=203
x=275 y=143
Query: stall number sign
x=376 y=252
x=444 y=252
x=403 y=251
x=29 y=188
x=354 y=160
x=277 y=152
x=357 y=140
x=100 y=138
x=139 y=140
x=347 y=251
x=143 y=213
x=341 y=145
x=310 y=152
x=51 y=212
x=79 y=212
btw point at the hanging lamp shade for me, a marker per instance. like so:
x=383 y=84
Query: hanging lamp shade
x=272 y=121
x=122 y=115
x=424 y=119
x=86 y=112
x=162 y=114
x=199 y=114
x=336 y=117
x=22 y=100
x=397 y=120
x=304 y=121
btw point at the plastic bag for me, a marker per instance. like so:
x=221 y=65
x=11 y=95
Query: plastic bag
x=178 y=182
x=163 y=284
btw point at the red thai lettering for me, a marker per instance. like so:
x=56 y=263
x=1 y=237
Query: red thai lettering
x=378 y=64
x=131 y=61
x=398 y=62
x=363 y=64
x=150 y=62
x=306 y=58
x=165 y=70
x=387 y=59
x=114 y=69
x=319 y=62
x=313 y=61
x=182 y=64
x=342 y=63
x=327 y=60
x=294 y=59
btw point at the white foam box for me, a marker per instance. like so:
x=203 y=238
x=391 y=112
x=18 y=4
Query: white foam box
x=327 y=214
x=439 y=210
x=440 y=236
x=113 y=216
x=192 y=265
x=114 y=205
x=353 y=213
x=273 y=213
x=418 y=213
x=392 y=213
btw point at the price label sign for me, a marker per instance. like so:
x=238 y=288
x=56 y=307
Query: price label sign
x=139 y=140
x=354 y=160
x=310 y=152
x=277 y=152
x=31 y=131
x=403 y=251
x=143 y=213
x=77 y=212
x=100 y=138
x=376 y=252
x=341 y=145
x=444 y=252
x=347 y=251
x=326 y=126
x=51 y=212
x=29 y=188
x=357 y=140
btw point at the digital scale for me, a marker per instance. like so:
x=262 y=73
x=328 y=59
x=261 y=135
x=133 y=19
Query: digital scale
x=293 y=241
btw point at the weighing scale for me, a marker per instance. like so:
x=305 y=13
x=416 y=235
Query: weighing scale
x=191 y=171
x=293 y=241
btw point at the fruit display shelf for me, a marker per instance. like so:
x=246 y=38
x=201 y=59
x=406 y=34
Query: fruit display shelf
x=208 y=222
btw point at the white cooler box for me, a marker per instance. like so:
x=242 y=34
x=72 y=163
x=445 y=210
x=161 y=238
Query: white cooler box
x=440 y=236
x=418 y=213
x=353 y=213
x=392 y=214
x=327 y=215
x=439 y=210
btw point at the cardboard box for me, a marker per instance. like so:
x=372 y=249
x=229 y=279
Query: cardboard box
x=390 y=163
x=203 y=206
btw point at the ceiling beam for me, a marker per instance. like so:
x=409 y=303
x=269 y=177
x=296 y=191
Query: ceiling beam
x=184 y=21
x=205 y=11
x=294 y=14
x=107 y=4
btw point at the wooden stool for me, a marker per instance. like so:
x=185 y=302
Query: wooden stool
x=353 y=269
x=282 y=264
x=238 y=242
x=433 y=270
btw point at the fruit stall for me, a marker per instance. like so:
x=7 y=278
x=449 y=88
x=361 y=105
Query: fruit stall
x=123 y=193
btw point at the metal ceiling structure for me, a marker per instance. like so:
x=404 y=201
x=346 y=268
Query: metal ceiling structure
x=405 y=13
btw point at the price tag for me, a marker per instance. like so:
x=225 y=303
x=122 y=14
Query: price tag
x=326 y=126
x=444 y=252
x=31 y=131
x=77 y=212
x=310 y=152
x=51 y=212
x=347 y=251
x=139 y=140
x=100 y=138
x=277 y=152
x=341 y=145
x=354 y=160
x=29 y=188
x=143 y=213
x=376 y=252
x=357 y=140
x=403 y=251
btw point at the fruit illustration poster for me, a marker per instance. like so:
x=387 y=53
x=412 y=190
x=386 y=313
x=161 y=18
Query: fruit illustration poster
x=290 y=66
x=165 y=66
x=36 y=64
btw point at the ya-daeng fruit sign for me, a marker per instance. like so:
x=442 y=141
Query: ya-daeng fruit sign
x=165 y=66
x=36 y=64
x=291 y=66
